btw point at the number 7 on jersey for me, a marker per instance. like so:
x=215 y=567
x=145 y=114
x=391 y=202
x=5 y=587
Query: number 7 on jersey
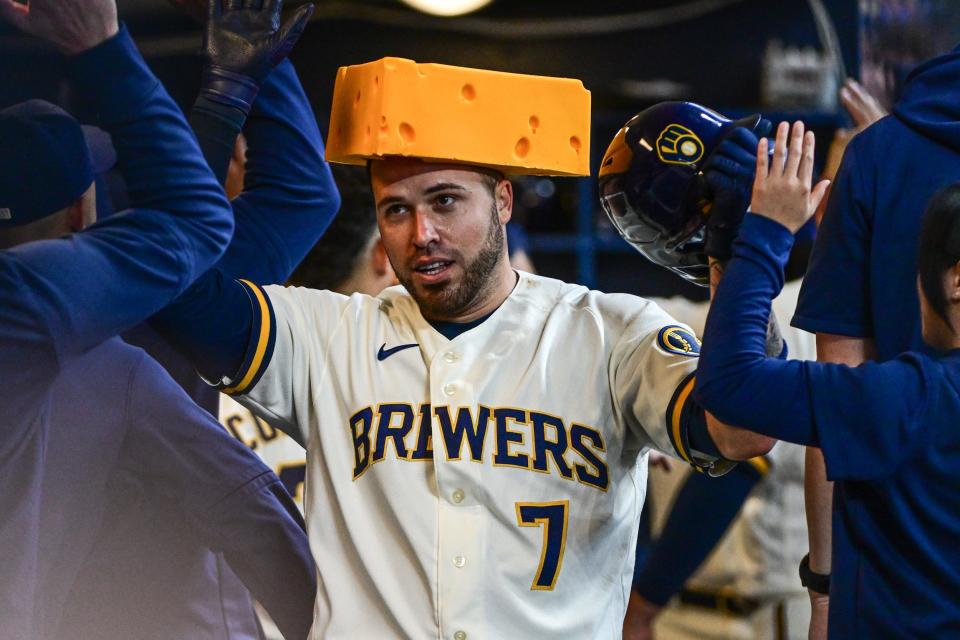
x=552 y=516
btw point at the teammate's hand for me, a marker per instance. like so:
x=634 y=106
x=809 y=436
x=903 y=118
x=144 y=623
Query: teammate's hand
x=72 y=26
x=729 y=172
x=782 y=187
x=245 y=37
x=863 y=108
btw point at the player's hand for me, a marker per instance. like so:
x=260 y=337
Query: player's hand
x=72 y=26
x=782 y=187
x=245 y=36
x=863 y=108
x=638 y=623
x=729 y=173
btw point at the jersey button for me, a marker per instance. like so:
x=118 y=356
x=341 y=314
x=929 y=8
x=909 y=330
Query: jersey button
x=458 y=562
x=450 y=357
x=460 y=635
x=457 y=496
x=449 y=389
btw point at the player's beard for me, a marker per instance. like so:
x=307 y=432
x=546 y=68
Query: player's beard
x=455 y=298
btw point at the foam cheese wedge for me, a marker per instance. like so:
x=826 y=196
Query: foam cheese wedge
x=516 y=123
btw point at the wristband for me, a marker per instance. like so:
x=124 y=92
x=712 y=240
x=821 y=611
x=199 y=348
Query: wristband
x=228 y=87
x=817 y=582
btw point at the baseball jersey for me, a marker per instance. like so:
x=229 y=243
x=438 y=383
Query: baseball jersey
x=474 y=487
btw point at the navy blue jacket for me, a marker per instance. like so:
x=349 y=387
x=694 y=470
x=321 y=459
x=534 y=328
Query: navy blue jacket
x=861 y=280
x=60 y=298
x=889 y=437
x=139 y=483
x=289 y=199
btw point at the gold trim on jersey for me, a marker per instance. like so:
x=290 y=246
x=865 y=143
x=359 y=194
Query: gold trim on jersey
x=263 y=339
x=676 y=412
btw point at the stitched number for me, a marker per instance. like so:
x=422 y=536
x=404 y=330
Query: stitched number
x=552 y=516
x=293 y=476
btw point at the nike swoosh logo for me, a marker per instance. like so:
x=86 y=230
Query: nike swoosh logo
x=385 y=353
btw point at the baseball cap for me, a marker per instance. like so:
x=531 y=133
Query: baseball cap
x=45 y=163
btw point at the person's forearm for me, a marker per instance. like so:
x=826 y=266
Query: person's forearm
x=156 y=151
x=265 y=544
x=681 y=549
x=776 y=345
x=99 y=282
x=210 y=325
x=290 y=197
x=736 y=382
x=216 y=127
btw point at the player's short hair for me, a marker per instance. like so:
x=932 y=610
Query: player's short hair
x=939 y=246
x=336 y=255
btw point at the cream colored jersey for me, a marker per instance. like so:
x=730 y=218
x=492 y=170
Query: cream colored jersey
x=487 y=486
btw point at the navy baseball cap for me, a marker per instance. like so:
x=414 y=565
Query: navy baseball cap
x=45 y=163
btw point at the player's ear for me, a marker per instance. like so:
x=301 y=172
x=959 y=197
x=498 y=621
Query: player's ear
x=953 y=283
x=378 y=258
x=503 y=198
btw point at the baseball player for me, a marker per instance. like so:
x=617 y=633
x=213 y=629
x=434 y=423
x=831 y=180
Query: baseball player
x=887 y=430
x=476 y=439
x=62 y=297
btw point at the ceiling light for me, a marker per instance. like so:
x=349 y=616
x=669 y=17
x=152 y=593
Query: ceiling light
x=447 y=7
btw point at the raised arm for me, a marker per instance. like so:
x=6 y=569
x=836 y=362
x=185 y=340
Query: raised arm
x=289 y=196
x=96 y=283
x=242 y=42
x=830 y=406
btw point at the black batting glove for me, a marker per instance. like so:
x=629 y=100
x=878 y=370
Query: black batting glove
x=729 y=172
x=243 y=40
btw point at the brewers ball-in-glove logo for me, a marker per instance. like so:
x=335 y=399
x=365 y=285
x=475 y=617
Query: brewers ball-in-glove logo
x=679 y=145
x=677 y=339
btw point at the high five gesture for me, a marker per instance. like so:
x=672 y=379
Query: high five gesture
x=782 y=188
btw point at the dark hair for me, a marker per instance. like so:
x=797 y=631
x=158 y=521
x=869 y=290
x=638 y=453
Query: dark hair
x=939 y=247
x=334 y=257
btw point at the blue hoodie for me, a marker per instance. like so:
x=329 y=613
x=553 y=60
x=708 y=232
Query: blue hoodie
x=862 y=276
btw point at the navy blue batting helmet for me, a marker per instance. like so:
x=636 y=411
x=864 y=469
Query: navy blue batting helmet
x=652 y=185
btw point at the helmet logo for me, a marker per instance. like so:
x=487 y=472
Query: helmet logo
x=679 y=145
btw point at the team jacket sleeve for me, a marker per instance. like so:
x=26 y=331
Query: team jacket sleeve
x=289 y=196
x=835 y=297
x=653 y=366
x=94 y=284
x=867 y=419
x=235 y=503
x=288 y=201
x=712 y=503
